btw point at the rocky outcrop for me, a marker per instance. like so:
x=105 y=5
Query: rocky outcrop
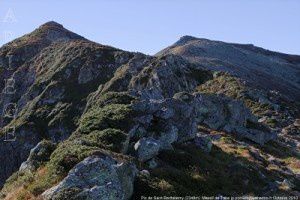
x=147 y=148
x=222 y=113
x=16 y=151
x=168 y=120
x=161 y=123
x=20 y=51
x=50 y=94
x=168 y=75
x=271 y=107
x=38 y=155
x=96 y=178
x=269 y=70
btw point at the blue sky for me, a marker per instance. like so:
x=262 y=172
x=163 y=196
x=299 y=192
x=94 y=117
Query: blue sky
x=150 y=25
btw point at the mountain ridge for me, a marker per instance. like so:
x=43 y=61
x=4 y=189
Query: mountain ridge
x=147 y=125
x=185 y=38
x=269 y=70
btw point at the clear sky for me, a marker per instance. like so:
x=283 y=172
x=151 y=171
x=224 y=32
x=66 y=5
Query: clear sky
x=150 y=25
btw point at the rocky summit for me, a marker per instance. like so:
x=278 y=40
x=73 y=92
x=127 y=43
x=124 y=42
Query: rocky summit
x=83 y=120
x=261 y=68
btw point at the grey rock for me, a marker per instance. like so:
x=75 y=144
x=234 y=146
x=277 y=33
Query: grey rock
x=145 y=173
x=138 y=131
x=165 y=116
x=165 y=113
x=223 y=113
x=256 y=154
x=270 y=188
x=96 y=178
x=256 y=136
x=263 y=119
x=167 y=138
x=147 y=148
x=145 y=120
x=178 y=117
x=288 y=184
x=203 y=142
x=297 y=123
x=166 y=76
x=39 y=154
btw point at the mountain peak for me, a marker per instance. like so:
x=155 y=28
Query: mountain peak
x=32 y=43
x=51 y=24
x=50 y=32
x=279 y=69
x=54 y=31
x=184 y=39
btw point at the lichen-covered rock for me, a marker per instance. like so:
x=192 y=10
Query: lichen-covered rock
x=166 y=76
x=38 y=155
x=147 y=148
x=222 y=113
x=168 y=116
x=168 y=137
x=96 y=178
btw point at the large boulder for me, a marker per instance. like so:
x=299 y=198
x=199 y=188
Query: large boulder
x=147 y=148
x=223 y=113
x=172 y=117
x=168 y=137
x=96 y=177
x=39 y=154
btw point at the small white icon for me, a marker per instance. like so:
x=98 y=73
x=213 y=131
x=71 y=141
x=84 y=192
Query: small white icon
x=7 y=36
x=10 y=134
x=9 y=86
x=10 y=62
x=9 y=17
x=10 y=110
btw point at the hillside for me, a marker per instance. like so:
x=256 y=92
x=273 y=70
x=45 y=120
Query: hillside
x=90 y=121
x=261 y=68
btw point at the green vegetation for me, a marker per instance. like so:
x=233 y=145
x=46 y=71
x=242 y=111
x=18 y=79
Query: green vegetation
x=116 y=116
x=110 y=139
x=67 y=77
x=231 y=86
x=100 y=128
x=112 y=98
x=224 y=83
x=189 y=171
x=103 y=128
x=66 y=156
